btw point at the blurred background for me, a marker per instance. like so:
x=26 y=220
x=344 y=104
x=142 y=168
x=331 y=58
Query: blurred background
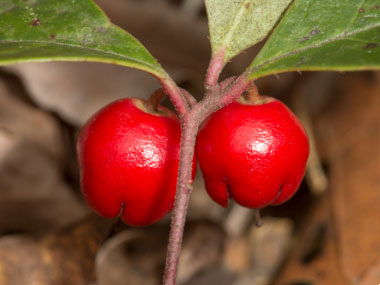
x=328 y=233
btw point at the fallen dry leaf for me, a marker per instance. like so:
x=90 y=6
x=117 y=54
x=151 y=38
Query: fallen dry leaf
x=64 y=257
x=34 y=196
x=340 y=241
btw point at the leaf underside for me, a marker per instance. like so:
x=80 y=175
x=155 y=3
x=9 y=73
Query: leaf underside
x=70 y=30
x=323 y=35
x=237 y=25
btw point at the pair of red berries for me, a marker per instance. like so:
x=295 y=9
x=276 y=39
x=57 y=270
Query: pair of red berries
x=252 y=152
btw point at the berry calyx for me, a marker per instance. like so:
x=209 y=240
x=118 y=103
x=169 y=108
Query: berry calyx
x=253 y=151
x=128 y=154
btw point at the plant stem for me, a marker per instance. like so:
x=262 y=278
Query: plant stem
x=176 y=97
x=189 y=126
x=226 y=83
x=190 y=123
x=252 y=93
x=184 y=187
x=154 y=100
x=192 y=114
x=190 y=99
x=235 y=90
x=216 y=65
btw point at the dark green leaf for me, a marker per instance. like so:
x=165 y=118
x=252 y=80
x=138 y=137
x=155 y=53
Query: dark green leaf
x=73 y=30
x=323 y=35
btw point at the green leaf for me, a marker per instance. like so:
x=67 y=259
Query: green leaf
x=70 y=30
x=323 y=35
x=237 y=25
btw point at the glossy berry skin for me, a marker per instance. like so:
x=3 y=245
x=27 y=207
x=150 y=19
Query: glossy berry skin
x=128 y=161
x=253 y=153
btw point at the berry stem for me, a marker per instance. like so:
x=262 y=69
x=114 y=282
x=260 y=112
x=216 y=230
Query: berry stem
x=155 y=99
x=190 y=99
x=176 y=96
x=235 y=90
x=226 y=83
x=252 y=93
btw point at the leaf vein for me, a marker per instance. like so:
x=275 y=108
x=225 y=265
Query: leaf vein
x=316 y=45
x=235 y=24
x=355 y=16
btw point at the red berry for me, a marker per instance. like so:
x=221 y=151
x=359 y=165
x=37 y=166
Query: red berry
x=129 y=156
x=254 y=153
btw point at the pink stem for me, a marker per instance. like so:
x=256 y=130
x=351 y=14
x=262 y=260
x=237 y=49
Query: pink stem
x=175 y=95
x=235 y=90
x=190 y=99
x=184 y=188
x=217 y=63
x=190 y=122
x=226 y=83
